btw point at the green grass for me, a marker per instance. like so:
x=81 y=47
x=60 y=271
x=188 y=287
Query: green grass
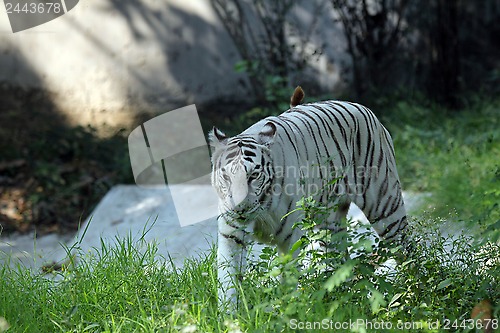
x=454 y=155
x=127 y=287
x=123 y=288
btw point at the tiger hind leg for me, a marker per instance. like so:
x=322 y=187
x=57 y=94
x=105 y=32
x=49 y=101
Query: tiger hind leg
x=394 y=234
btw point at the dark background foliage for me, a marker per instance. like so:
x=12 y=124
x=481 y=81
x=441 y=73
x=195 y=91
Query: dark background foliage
x=443 y=48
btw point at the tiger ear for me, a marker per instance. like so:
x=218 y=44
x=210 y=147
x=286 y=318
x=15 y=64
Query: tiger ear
x=267 y=133
x=217 y=138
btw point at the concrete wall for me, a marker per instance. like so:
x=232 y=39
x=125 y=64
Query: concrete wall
x=106 y=60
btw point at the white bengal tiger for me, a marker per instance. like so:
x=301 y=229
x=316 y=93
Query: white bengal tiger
x=260 y=174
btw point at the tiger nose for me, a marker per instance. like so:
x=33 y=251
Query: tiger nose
x=238 y=197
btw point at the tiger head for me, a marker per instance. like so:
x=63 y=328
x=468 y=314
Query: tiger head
x=242 y=169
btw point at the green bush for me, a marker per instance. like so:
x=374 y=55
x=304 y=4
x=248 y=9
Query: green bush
x=441 y=279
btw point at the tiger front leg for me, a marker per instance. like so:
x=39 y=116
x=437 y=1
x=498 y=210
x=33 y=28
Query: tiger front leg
x=231 y=262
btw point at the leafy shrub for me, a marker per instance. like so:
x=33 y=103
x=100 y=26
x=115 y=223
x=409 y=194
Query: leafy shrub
x=442 y=278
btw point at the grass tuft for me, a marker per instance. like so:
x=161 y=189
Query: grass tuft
x=128 y=287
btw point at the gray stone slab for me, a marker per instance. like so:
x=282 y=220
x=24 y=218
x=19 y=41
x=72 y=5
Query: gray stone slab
x=129 y=210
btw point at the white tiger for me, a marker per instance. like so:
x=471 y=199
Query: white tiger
x=260 y=174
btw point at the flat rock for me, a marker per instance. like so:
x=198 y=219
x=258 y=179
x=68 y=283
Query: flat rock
x=128 y=211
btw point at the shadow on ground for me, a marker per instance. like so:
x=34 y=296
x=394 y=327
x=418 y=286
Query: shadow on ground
x=51 y=174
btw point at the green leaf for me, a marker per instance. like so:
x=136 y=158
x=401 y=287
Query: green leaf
x=275 y=272
x=394 y=298
x=445 y=283
x=377 y=300
x=241 y=66
x=340 y=276
x=296 y=245
x=406 y=263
